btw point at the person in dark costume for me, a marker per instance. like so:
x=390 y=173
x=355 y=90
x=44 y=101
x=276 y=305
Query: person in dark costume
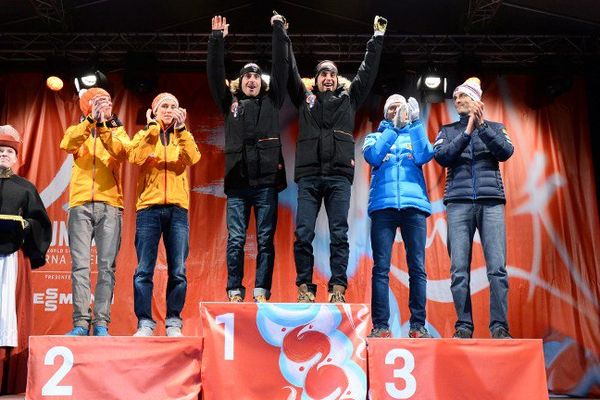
x=24 y=224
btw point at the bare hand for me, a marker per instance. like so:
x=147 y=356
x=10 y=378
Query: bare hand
x=149 y=116
x=179 y=116
x=220 y=24
x=101 y=108
x=478 y=113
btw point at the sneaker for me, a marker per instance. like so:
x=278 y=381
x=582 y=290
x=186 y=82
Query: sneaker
x=174 y=331
x=235 y=298
x=380 y=333
x=144 y=331
x=462 y=333
x=337 y=295
x=501 y=333
x=305 y=295
x=100 y=331
x=260 y=299
x=78 y=331
x=418 y=333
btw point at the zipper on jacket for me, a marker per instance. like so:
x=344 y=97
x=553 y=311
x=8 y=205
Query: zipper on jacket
x=345 y=133
x=398 y=166
x=473 y=169
x=165 y=146
x=94 y=164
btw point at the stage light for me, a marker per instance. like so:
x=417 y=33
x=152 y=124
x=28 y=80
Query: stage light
x=54 y=83
x=432 y=84
x=89 y=79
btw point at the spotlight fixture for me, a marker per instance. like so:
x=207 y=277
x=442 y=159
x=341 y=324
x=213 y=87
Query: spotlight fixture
x=433 y=85
x=88 y=79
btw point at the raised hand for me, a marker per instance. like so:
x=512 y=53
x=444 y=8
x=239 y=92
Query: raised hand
x=101 y=108
x=179 y=116
x=281 y=18
x=401 y=118
x=413 y=109
x=380 y=24
x=220 y=24
x=149 y=116
x=478 y=113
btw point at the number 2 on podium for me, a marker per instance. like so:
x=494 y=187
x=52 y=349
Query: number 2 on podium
x=52 y=387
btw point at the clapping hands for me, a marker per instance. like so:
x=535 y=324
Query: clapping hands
x=101 y=108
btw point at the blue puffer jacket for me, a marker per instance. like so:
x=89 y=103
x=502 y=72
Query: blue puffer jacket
x=472 y=161
x=396 y=157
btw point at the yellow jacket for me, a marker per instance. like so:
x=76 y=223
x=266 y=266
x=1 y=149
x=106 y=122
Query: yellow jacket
x=96 y=160
x=163 y=177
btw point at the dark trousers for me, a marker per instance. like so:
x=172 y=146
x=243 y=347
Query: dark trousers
x=413 y=227
x=239 y=204
x=334 y=191
x=172 y=223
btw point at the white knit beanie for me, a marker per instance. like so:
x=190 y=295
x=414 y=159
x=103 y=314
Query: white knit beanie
x=471 y=87
x=395 y=98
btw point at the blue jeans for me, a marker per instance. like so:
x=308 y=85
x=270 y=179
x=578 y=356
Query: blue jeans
x=488 y=218
x=172 y=223
x=239 y=203
x=413 y=227
x=334 y=191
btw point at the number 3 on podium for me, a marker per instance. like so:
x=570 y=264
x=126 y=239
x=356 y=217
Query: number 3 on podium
x=403 y=373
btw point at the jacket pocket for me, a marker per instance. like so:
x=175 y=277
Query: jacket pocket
x=307 y=152
x=344 y=148
x=268 y=155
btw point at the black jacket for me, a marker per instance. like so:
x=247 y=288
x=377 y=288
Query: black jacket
x=18 y=196
x=326 y=141
x=253 y=156
x=472 y=161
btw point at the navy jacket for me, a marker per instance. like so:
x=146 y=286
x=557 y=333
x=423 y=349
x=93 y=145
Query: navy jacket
x=472 y=161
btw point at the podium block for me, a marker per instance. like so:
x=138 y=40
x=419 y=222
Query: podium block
x=280 y=351
x=116 y=367
x=456 y=369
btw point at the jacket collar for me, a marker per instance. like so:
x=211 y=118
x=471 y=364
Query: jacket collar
x=385 y=124
x=464 y=119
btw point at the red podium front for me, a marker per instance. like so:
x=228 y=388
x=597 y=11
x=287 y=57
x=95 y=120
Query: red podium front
x=116 y=367
x=284 y=351
x=462 y=369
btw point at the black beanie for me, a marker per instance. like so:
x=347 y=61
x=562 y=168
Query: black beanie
x=250 y=67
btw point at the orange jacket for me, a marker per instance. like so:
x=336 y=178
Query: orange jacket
x=163 y=177
x=96 y=160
